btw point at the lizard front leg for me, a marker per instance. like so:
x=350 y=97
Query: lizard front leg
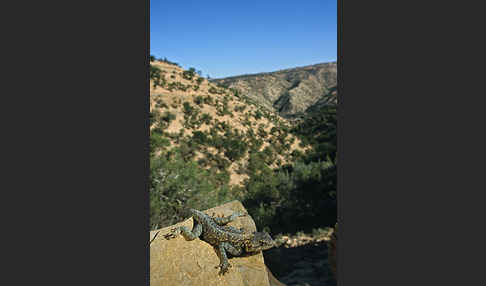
x=188 y=234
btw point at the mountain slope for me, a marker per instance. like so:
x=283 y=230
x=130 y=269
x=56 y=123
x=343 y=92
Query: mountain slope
x=211 y=145
x=212 y=125
x=288 y=91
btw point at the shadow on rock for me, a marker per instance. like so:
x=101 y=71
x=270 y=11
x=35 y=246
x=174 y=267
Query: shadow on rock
x=303 y=265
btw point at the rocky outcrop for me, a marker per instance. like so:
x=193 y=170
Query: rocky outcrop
x=181 y=262
x=289 y=91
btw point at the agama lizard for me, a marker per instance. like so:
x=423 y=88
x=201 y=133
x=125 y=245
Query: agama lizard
x=224 y=238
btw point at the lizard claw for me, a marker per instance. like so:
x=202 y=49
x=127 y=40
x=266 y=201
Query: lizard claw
x=224 y=268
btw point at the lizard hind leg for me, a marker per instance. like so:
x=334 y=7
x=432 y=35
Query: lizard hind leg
x=223 y=259
x=233 y=250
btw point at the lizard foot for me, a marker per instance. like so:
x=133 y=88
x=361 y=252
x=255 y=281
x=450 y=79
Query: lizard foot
x=241 y=214
x=172 y=234
x=224 y=268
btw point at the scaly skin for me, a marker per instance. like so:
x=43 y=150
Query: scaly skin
x=224 y=238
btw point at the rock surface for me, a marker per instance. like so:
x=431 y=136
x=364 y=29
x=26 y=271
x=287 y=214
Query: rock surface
x=181 y=262
x=273 y=281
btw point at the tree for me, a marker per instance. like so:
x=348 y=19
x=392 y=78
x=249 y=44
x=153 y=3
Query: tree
x=189 y=74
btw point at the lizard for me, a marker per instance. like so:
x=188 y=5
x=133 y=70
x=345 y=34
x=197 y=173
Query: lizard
x=223 y=238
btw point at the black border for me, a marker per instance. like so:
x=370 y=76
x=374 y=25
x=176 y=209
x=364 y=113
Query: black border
x=79 y=74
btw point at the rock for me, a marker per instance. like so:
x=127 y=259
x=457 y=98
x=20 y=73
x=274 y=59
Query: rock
x=181 y=262
x=273 y=281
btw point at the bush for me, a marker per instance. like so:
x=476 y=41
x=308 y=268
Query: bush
x=199 y=137
x=220 y=162
x=212 y=89
x=235 y=148
x=198 y=100
x=154 y=72
x=188 y=109
x=167 y=117
x=261 y=131
x=156 y=76
x=206 y=118
x=158 y=141
x=208 y=100
x=176 y=185
x=258 y=115
x=189 y=74
x=161 y=104
x=165 y=60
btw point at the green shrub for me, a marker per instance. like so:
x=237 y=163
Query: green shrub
x=212 y=89
x=206 y=118
x=156 y=76
x=235 y=148
x=208 y=100
x=220 y=162
x=167 y=117
x=165 y=60
x=199 y=100
x=176 y=185
x=189 y=74
x=188 y=109
x=161 y=104
x=154 y=72
x=258 y=115
x=199 y=137
x=261 y=131
x=158 y=141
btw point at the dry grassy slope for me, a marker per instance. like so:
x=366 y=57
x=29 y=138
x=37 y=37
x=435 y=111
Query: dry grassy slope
x=162 y=100
x=288 y=91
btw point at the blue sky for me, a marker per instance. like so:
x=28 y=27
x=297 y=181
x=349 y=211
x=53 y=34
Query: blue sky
x=225 y=38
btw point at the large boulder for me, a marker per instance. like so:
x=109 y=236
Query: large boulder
x=181 y=262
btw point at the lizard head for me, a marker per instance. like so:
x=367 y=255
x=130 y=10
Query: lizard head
x=259 y=241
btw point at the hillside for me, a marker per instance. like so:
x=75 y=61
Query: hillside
x=211 y=136
x=288 y=91
x=211 y=145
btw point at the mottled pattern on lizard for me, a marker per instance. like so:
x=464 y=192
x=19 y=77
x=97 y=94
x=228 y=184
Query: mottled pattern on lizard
x=224 y=238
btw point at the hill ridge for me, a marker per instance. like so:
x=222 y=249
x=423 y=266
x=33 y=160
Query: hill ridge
x=287 y=91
